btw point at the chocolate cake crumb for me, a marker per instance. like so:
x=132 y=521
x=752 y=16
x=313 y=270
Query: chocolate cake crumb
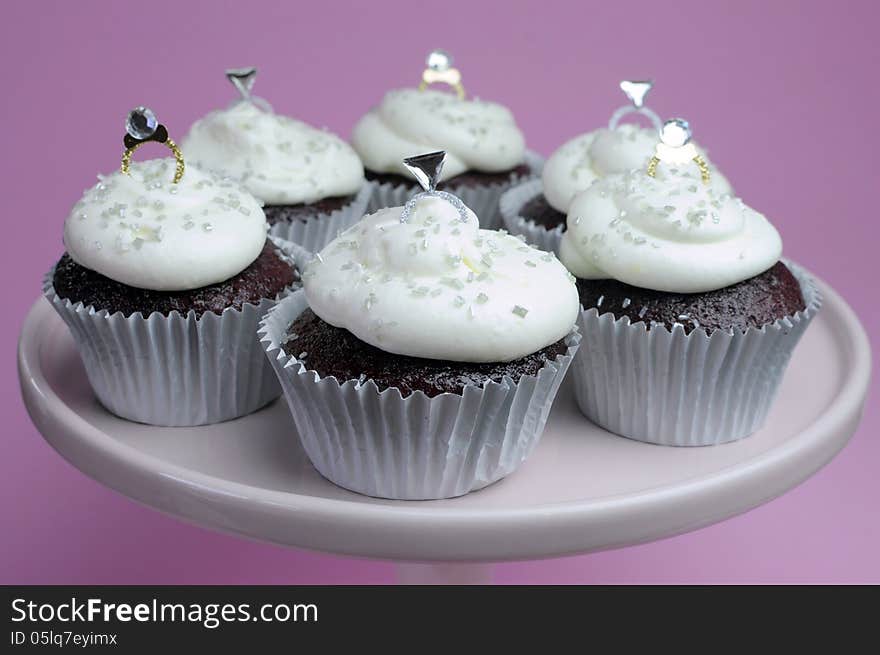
x=332 y=351
x=266 y=277
x=542 y=213
x=303 y=212
x=755 y=302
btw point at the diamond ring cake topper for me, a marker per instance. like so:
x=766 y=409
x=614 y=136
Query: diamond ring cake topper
x=675 y=147
x=439 y=70
x=243 y=80
x=427 y=169
x=142 y=126
x=636 y=91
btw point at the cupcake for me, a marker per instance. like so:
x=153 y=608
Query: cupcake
x=310 y=181
x=485 y=150
x=162 y=286
x=421 y=358
x=537 y=209
x=689 y=315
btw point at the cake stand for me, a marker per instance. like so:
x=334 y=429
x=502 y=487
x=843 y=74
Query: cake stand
x=582 y=490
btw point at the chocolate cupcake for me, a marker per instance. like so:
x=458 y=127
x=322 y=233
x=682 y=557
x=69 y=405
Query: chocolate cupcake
x=422 y=356
x=538 y=209
x=689 y=313
x=485 y=149
x=310 y=181
x=162 y=286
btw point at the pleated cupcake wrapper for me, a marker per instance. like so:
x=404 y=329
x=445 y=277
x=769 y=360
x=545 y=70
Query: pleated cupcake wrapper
x=316 y=232
x=173 y=370
x=482 y=200
x=414 y=448
x=673 y=389
x=510 y=206
x=295 y=252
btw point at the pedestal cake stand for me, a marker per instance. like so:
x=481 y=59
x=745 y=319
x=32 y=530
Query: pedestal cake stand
x=582 y=490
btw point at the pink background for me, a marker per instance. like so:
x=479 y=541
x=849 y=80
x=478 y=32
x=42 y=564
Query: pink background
x=783 y=94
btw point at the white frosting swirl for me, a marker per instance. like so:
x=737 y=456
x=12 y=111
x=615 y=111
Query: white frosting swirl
x=669 y=233
x=279 y=160
x=440 y=288
x=144 y=231
x=476 y=135
x=580 y=162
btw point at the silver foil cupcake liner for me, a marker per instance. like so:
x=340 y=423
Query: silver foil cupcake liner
x=415 y=448
x=483 y=200
x=316 y=232
x=676 y=389
x=173 y=370
x=510 y=205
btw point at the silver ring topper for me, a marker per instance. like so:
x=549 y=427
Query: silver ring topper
x=426 y=169
x=636 y=91
x=243 y=80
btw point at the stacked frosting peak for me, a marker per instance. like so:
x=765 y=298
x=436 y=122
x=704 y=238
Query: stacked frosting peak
x=439 y=287
x=476 y=135
x=145 y=231
x=279 y=160
x=670 y=233
x=591 y=156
